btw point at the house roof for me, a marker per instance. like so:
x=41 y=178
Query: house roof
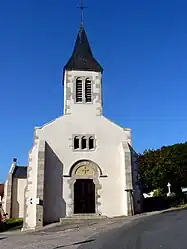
x=20 y=172
x=82 y=58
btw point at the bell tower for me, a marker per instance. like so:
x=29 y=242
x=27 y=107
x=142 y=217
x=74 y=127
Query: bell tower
x=82 y=78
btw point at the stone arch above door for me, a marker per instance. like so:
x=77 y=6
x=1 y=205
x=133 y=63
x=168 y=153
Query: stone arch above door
x=84 y=169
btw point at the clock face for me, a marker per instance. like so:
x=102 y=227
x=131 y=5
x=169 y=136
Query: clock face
x=85 y=171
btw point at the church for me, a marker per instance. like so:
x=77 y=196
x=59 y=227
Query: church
x=81 y=163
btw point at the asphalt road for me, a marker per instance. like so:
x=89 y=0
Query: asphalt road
x=165 y=231
x=150 y=231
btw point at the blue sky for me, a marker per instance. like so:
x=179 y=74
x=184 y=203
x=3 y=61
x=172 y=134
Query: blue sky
x=142 y=46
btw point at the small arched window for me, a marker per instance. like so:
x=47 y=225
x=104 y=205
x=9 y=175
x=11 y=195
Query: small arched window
x=91 y=143
x=88 y=91
x=79 y=90
x=83 y=143
x=76 y=143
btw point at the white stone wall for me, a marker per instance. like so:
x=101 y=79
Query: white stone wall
x=112 y=192
x=58 y=134
x=31 y=190
x=55 y=161
x=18 y=197
x=4 y=201
x=70 y=107
x=8 y=191
x=54 y=205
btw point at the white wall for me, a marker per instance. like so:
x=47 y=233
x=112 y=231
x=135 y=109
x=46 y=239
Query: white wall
x=18 y=197
x=58 y=134
x=83 y=119
x=5 y=195
x=70 y=107
x=112 y=192
x=54 y=204
x=32 y=188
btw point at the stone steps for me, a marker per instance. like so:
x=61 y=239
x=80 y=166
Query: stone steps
x=82 y=217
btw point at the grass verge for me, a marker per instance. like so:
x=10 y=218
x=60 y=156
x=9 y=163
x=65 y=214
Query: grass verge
x=11 y=224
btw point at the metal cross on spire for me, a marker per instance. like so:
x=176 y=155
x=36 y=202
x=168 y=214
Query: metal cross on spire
x=82 y=7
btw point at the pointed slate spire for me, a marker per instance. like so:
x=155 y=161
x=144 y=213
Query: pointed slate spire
x=82 y=58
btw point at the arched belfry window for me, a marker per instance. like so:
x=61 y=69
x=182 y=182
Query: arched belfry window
x=76 y=143
x=88 y=91
x=91 y=143
x=79 y=90
x=83 y=143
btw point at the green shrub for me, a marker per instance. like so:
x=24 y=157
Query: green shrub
x=15 y=221
x=11 y=224
x=158 y=193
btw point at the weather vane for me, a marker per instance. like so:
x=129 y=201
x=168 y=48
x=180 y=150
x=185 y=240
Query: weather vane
x=82 y=7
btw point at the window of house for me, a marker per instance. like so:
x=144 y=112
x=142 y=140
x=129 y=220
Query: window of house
x=88 y=91
x=79 y=90
x=83 y=143
x=76 y=143
x=91 y=143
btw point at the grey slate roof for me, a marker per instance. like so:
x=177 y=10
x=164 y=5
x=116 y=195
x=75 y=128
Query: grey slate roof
x=20 y=172
x=82 y=58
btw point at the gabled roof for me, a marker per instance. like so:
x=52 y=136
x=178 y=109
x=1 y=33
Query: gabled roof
x=82 y=58
x=20 y=172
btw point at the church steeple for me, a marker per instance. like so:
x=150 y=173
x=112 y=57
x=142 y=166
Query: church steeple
x=82 y=58
x=82 y=78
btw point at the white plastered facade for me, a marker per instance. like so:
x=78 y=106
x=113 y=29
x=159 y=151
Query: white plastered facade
x=49 y=194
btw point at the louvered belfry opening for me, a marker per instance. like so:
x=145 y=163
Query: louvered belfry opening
x=76 y=143
x=88 y=91
x=83 y=143
x=91 y=143
x=78 y=90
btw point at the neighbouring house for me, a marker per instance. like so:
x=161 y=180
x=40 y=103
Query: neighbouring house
x=13 y=201
x=81 y=163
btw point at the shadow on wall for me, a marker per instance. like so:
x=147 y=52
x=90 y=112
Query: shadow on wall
x=137 y=188
x=15 y=209
x=14 y=204
x=54 y=204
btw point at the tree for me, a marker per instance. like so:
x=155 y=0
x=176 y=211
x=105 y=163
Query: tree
x=167 y=164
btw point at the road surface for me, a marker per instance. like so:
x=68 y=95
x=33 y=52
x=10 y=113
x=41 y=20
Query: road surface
x=166 y=231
